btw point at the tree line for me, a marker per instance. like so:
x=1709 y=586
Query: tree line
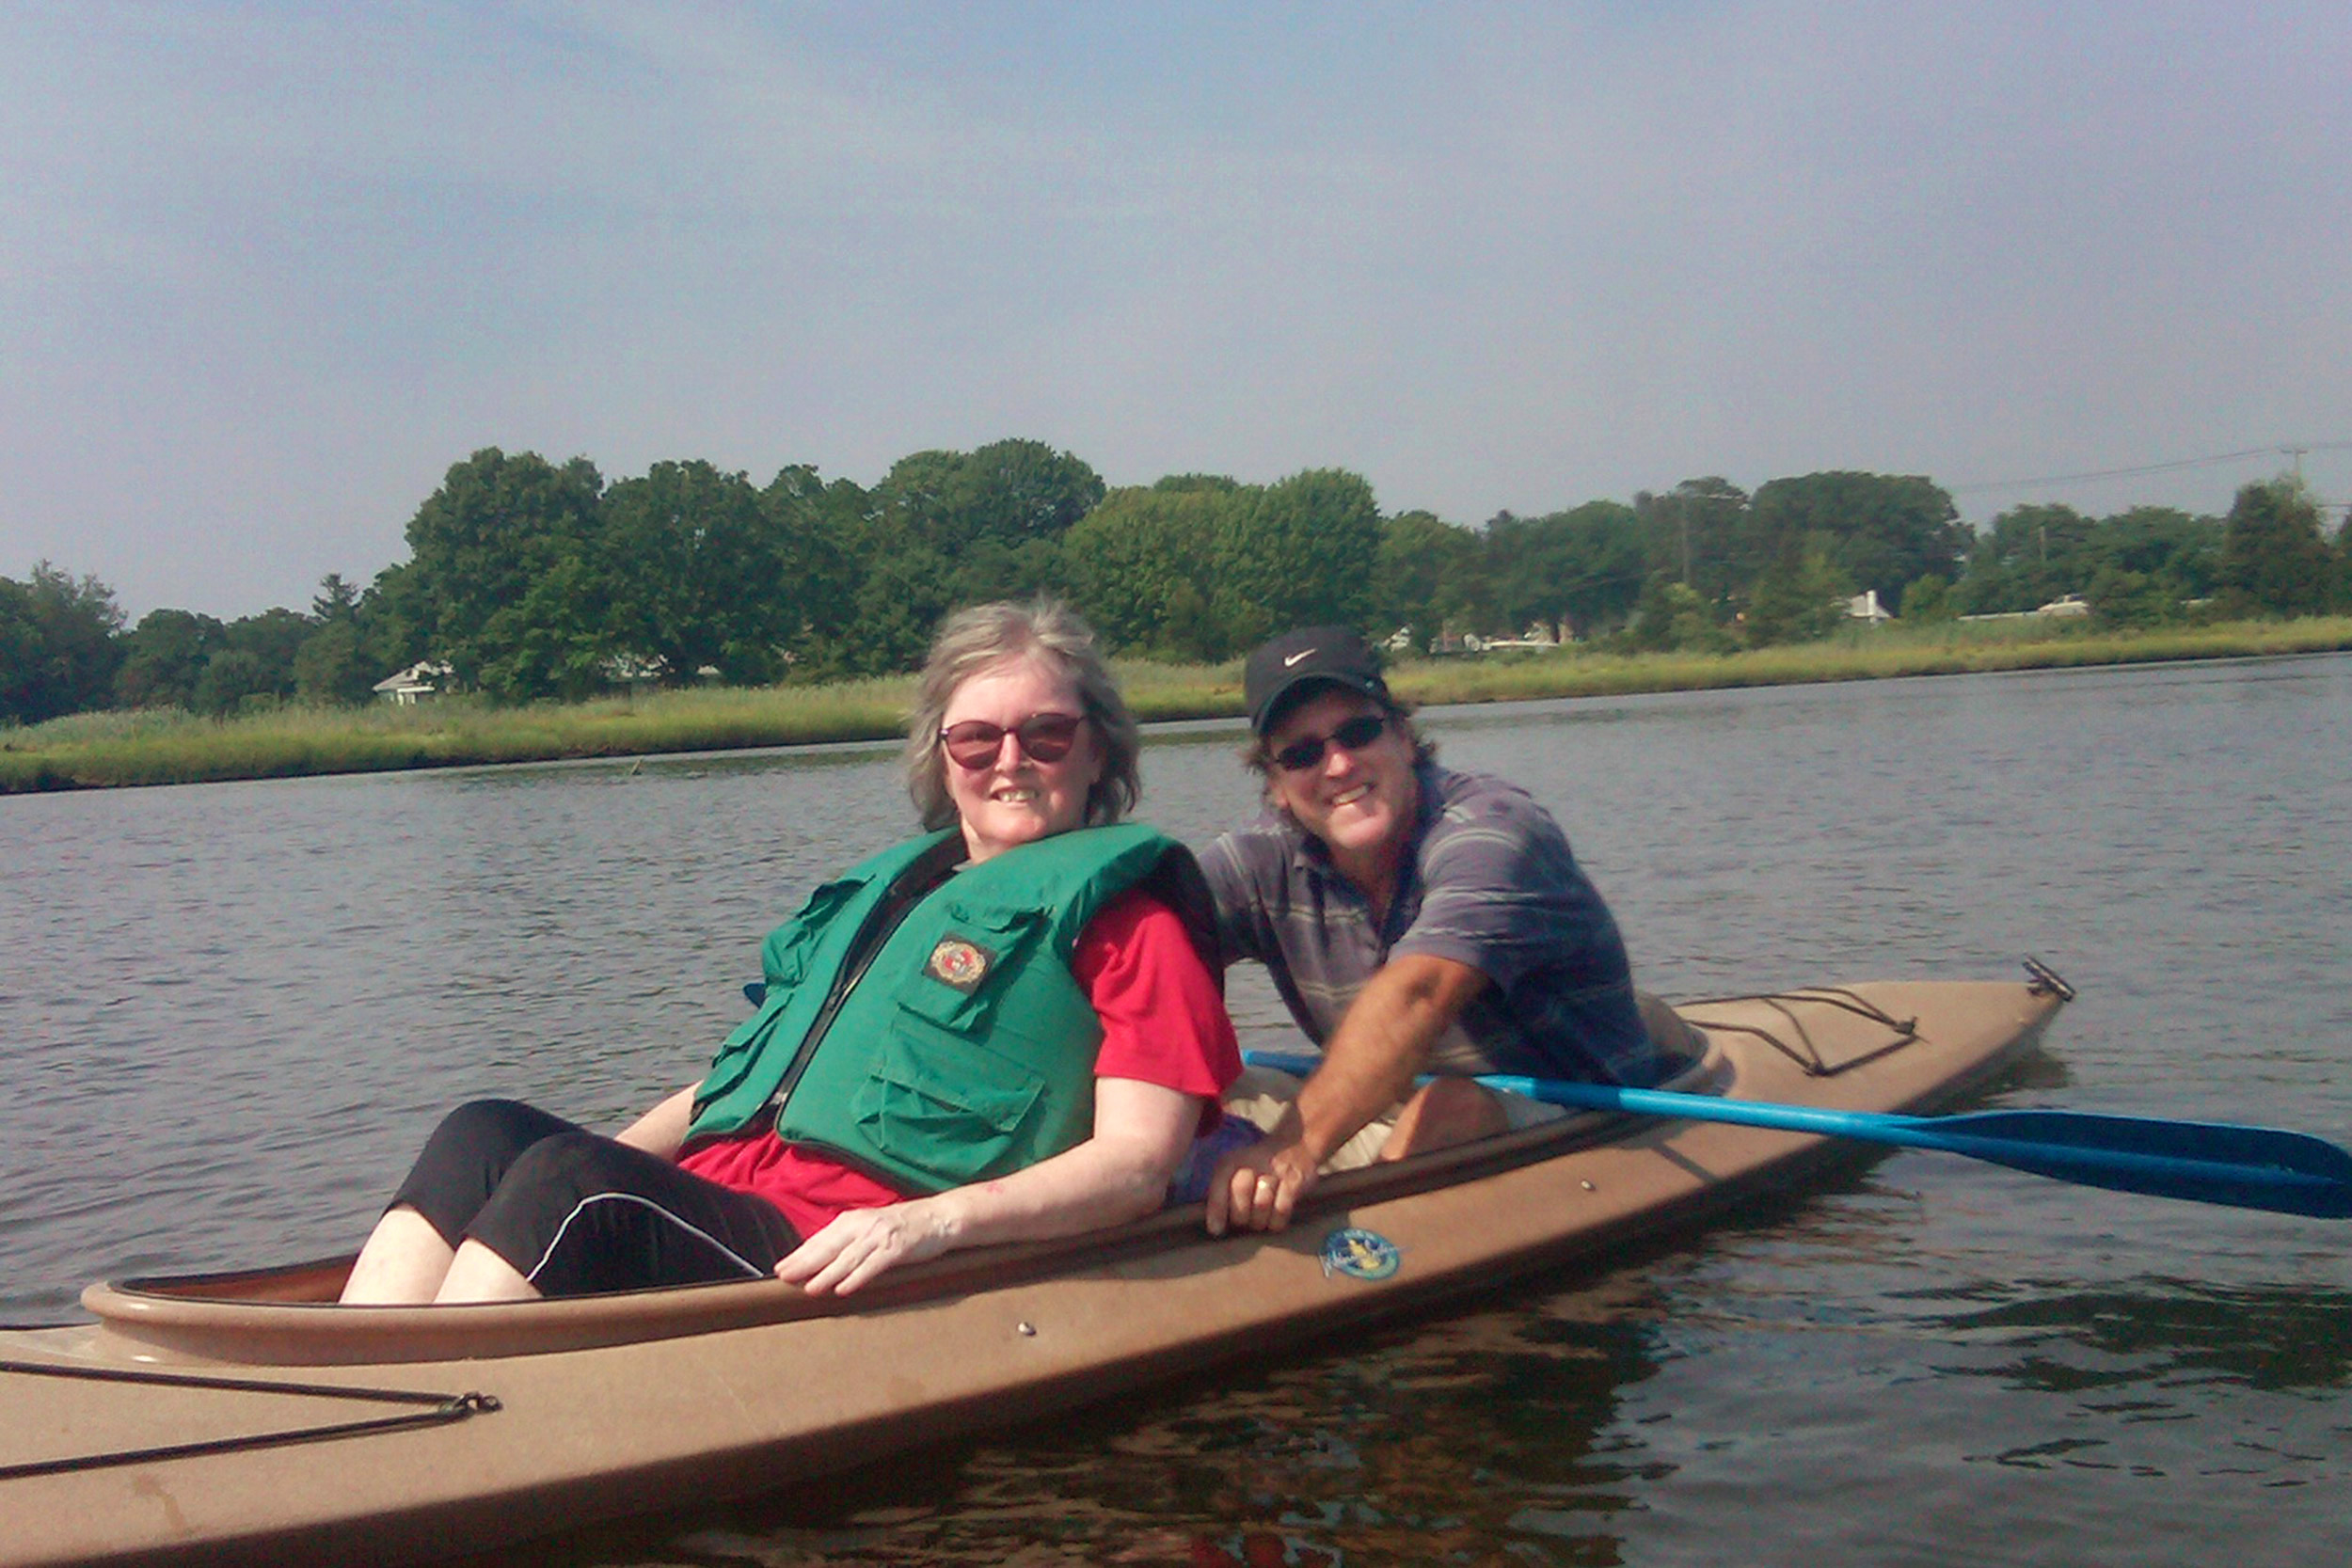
x=532 y=579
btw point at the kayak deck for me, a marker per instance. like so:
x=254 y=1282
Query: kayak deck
x=605 y=1406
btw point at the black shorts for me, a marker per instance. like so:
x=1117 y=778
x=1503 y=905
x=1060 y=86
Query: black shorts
x=576 y=1212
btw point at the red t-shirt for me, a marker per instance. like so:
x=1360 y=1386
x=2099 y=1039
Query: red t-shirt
x=1162 y=1022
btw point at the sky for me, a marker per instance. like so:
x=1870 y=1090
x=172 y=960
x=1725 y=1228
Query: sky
x=267 y=271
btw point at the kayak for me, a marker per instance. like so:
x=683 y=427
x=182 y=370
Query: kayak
x=243 y=1417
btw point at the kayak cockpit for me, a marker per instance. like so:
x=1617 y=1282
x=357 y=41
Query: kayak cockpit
x=1834 y=1046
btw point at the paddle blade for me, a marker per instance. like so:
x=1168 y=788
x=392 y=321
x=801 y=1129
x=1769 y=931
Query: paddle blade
x=2243 y=1167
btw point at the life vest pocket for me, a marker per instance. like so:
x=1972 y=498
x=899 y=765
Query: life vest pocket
x=950 y=1105
x=970 y=965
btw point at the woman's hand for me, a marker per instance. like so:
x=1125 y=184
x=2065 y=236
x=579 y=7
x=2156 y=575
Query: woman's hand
x=863 y=1242
x=1141 y=1131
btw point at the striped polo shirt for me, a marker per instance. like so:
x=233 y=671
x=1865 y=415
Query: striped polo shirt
x=1489 y=881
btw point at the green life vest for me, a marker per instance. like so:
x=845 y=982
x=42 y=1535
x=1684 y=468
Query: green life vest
x=955 y=1045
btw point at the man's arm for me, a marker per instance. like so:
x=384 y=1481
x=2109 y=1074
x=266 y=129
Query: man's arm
x=1368 y=1066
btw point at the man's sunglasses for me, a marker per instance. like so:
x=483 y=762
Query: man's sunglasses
x=1354 y=735
x=1044 y=737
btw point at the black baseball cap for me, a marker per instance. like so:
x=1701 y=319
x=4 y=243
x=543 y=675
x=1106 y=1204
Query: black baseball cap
x=1336 y=656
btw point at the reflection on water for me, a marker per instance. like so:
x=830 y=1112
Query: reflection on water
x=1453 y=1441
x=2166 y=1333
x=228 y=1015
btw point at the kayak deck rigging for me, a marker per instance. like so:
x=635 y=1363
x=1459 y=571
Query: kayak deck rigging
x=437 y=1410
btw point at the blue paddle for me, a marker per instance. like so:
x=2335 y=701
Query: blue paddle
x=2245 y=1167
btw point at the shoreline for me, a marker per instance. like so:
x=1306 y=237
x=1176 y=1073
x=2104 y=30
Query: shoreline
x=149 y=748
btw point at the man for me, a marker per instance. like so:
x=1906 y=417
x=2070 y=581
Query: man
x=1415 y=920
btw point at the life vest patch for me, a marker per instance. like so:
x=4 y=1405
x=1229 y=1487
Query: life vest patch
x=1359 y=1253
x=959 y=963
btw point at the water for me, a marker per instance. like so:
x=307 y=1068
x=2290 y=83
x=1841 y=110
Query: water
x=229 y=1014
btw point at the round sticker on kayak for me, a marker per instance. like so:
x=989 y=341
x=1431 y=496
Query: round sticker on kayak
x=1359 y=1253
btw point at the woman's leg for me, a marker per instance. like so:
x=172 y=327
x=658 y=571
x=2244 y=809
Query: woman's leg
x=411 y=1252
x=578 y=1213
x=477 y=1273
x=403 y=1262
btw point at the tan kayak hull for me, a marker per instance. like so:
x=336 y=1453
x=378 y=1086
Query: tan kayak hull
x=613 y=1406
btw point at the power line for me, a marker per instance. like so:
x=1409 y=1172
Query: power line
x=2295 y=451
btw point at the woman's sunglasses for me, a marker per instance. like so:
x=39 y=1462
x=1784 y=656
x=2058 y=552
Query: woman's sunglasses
x=1044 y=737
x=1354 y=735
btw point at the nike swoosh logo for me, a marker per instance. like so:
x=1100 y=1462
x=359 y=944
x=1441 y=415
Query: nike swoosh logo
x=1303 y=653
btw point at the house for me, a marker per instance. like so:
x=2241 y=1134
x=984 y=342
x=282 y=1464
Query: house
x=406 y=687
x=1865 y=606
x=2063 y=606
x=1539 y=634
x=634 y=671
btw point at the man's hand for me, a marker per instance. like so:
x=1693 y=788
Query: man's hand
x=1368 y=1066
x=1255 y=1187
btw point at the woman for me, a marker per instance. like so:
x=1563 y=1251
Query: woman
x=1002 y=1031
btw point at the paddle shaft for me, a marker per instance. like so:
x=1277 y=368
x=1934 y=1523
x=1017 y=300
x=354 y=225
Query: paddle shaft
x=2244 y=1167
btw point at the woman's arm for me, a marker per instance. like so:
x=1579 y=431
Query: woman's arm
x=663 y=1130
x=1142 y=1134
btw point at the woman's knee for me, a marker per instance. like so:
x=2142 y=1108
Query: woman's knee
x=480 y=1126
x=574 y=1161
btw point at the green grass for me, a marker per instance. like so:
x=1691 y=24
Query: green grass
x=1860 y=653
x=91 y=750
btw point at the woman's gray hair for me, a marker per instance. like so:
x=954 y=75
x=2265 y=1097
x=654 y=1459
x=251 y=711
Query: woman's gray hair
x=1050 y=632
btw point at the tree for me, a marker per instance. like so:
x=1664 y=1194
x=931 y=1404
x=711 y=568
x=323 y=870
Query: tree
x=691 y=574
x=333 y=666
x=21 y=650
x=1876 y=530
x=2033 y=554
x=1693 y=533
x=163 y=655
x=1012 y=492
x=58 y=649
x=815 y=531
x=337 y=600
x=1301 y=553
x=505 y=567
x=1426 y=575
x=230 y=679
x=1133 y=565
x=2344 y=566
x=1928 y=600
x=2274 y=559
x=275 y=639
x=2124 y=598
x=1800 y=597
x=1672 y=615
x=393 y=621
x=2160 y=540
x=1584 y=566
x=549 y=643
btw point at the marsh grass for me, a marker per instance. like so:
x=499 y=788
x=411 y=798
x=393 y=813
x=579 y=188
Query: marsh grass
x=1860 y=653
x=155 y=747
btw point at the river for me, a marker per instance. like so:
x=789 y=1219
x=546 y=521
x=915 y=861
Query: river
x=230 y=1013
